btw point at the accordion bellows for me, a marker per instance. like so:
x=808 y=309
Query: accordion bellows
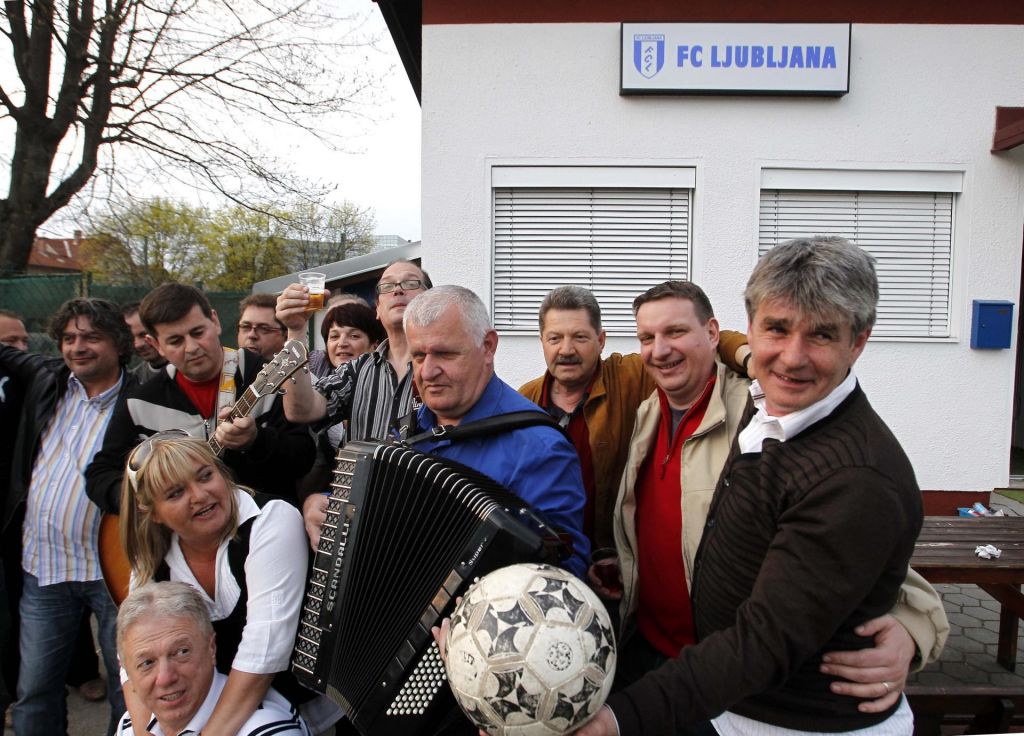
x=405 y=534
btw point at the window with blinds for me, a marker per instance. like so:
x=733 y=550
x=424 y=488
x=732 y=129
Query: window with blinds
x=910 y=234
x=616 y=241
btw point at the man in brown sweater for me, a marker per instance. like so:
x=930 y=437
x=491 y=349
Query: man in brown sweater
x=810 y=529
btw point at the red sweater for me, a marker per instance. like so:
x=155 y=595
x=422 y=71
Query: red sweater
x=664 y=615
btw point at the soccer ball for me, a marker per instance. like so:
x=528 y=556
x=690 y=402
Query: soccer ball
x=530 y=652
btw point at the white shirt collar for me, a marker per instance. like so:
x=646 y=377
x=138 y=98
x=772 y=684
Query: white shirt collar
x=105 y=398
x=764 y=426
x=247 y=506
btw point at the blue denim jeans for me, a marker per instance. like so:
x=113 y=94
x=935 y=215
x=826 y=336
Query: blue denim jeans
x=50 y=618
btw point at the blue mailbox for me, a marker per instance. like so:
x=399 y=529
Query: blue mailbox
x=991 y=324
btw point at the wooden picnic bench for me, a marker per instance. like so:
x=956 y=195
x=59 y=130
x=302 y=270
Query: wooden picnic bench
x=945 y=553
x=979 y=708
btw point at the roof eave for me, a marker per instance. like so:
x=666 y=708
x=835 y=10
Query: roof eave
x=405 y=23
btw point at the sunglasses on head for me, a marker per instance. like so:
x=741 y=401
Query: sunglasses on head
x=144 y=449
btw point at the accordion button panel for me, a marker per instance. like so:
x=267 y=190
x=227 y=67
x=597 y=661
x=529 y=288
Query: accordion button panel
x=422 y=685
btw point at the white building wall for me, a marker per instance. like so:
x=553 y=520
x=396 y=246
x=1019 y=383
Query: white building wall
x=920 y=97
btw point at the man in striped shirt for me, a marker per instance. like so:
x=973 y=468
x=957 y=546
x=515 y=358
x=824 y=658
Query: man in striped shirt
x=68 y=403
x=371 y=391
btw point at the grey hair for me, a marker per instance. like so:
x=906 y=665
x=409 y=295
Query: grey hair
x=170 y=599
x=823 y=275
x=427 y=308
x=572 y=298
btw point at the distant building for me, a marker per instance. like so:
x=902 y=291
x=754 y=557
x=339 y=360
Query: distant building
x=56 y=255
x=388 y=241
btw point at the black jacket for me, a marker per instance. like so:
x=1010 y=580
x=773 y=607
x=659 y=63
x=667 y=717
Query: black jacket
x=12 y=394
x=44 y=381
x=281 y=454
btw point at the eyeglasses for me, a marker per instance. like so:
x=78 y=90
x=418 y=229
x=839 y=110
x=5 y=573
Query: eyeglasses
x=386 y=287
x=259 y=327
x=142 y=451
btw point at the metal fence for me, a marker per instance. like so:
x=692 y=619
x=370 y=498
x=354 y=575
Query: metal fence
x=36 y=298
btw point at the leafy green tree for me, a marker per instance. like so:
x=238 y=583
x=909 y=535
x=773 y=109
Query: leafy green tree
x=148 y=243
x=243 y=246
x=319 y=234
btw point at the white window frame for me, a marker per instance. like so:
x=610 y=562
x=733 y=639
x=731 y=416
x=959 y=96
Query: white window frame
x=876 y=184
x=615 y=299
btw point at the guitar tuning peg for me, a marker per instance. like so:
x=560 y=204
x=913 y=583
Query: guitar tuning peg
x=282 y=391
x=292 y=379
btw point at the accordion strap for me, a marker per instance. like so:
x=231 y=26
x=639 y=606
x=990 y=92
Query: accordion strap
x=480 y=428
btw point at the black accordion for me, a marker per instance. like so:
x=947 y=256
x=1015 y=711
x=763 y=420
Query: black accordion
x=405 y=534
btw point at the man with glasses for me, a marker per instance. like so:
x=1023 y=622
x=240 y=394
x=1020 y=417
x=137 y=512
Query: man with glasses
x=371 y=391
x=258 y=329
x=68 y=405
x=195 y=393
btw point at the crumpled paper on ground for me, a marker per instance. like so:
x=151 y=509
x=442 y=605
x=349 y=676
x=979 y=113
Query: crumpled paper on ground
x=987 y=551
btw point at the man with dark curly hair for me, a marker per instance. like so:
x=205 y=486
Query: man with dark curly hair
x=68 y=404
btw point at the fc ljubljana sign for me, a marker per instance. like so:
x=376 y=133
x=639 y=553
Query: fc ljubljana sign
x=735 y=58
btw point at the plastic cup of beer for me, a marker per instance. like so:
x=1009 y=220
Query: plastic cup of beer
x=316 y=283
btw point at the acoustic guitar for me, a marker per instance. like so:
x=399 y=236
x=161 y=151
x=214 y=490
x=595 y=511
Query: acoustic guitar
x=113 y=561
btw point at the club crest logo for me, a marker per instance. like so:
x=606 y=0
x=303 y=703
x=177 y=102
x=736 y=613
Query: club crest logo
x=648 y=53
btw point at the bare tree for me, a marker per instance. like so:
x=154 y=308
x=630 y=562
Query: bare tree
x=188 y=86
x=319 y=234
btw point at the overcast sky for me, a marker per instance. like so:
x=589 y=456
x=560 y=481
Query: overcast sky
x=383 y=171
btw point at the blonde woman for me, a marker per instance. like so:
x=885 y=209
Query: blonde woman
x=183 y=518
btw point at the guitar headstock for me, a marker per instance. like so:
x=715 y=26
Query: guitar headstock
x=282 y=366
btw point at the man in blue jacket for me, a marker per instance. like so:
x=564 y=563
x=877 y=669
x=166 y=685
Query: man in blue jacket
x=452 y=345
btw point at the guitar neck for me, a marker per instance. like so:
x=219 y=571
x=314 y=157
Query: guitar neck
x=242 y=408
